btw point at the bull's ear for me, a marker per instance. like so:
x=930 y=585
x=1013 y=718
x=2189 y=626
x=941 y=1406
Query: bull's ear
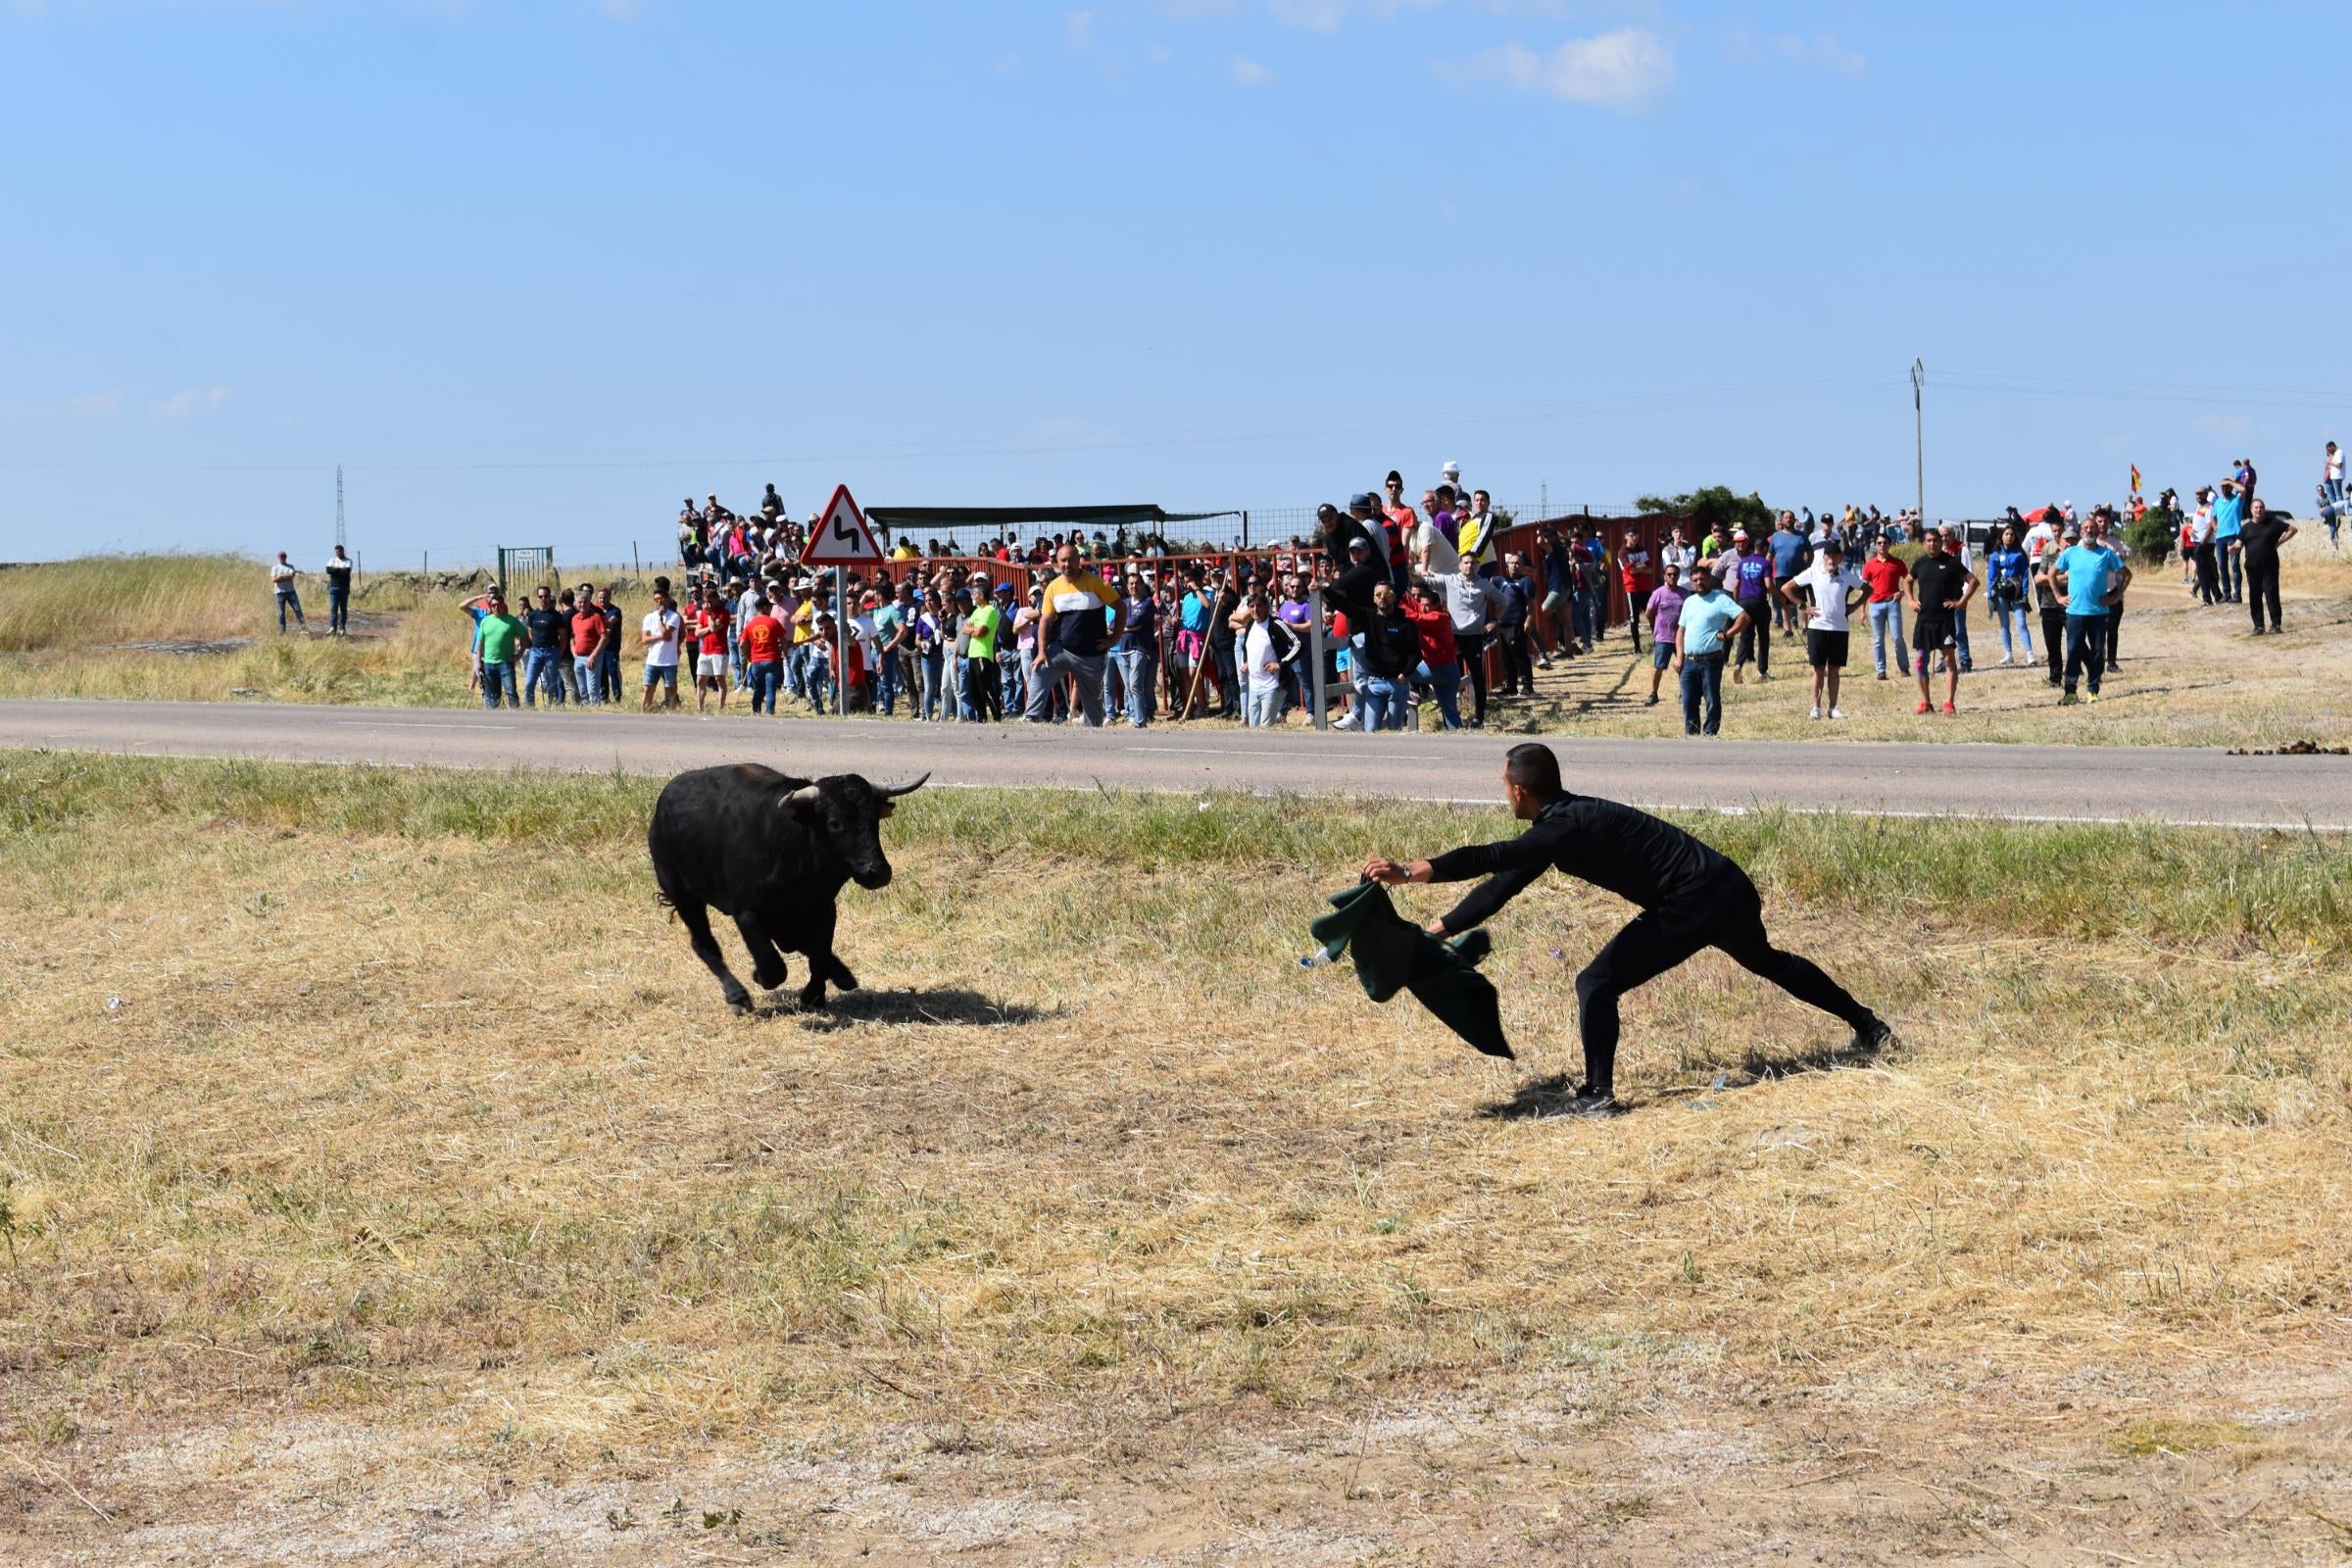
x=800 y=801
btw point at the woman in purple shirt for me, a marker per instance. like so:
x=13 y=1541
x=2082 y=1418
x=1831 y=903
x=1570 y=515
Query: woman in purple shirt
x=1665 y=608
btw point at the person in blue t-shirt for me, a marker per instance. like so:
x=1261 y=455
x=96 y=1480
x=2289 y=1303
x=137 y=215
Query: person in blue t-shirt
x=2228 y=521
x=1791 y=553
x=1703 y=628
x=2089 y=577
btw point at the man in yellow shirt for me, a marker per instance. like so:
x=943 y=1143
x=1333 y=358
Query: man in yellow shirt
x=1076 y=625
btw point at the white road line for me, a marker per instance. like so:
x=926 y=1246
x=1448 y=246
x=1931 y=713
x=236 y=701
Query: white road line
x=392 y=724
x=1251 y=750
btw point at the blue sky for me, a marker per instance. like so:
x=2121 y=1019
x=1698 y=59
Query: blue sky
x=534 y=271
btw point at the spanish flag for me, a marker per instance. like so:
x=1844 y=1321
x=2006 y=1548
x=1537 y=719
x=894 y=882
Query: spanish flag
x=2136 y=478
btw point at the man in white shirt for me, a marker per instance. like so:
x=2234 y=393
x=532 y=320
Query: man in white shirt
x=661 y=635
x=1835 y=588
x=1264 y=707
x=281 y=582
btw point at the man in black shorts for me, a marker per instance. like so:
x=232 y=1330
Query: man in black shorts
x=1691 y=898
x=1939 y=587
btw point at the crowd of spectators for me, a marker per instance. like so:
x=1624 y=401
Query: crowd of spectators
x=1415 y=606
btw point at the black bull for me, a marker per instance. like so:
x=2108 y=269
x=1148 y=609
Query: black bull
x=772 y=851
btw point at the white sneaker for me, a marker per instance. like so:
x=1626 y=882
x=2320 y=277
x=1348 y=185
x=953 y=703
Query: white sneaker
x=1837 y=713
x=1347 y=722
x=1816 y=713
x=2005 y=659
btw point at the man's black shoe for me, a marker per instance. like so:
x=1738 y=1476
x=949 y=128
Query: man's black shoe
x=1587 y=1105
x=1876 y=1035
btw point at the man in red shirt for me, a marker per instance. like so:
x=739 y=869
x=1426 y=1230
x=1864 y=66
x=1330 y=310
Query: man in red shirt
x=588 y=631
x=1883 y=574
x=762 y=656
x=711 y=619
x=1402 y=523
x=1634 y=573
x=1441 y=656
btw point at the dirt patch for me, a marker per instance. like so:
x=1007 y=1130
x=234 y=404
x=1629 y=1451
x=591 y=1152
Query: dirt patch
x=183 y=649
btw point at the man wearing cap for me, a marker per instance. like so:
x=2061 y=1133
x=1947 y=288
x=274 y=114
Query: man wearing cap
x=1835 y=587
x=1745 y=573
x=2228 y=522
x=1939 y=588
x=1689 y=896
x=1400 y=523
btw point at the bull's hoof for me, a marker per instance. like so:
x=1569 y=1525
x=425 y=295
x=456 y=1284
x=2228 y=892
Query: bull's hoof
x=740 y=1006
x=843 y=979
x=813 y=999
x=769 y=976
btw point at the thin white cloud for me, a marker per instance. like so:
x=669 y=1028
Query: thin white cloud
x=1822 y=50
x=620 y=10
x=1250 y=74
x=189 y=405
x=1621 y=70
x=2232 y=425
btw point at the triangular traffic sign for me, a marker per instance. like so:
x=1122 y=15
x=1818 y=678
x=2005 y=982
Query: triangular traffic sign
x=840 y=537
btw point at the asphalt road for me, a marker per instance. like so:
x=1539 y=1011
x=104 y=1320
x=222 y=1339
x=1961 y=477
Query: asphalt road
x=2035 y=783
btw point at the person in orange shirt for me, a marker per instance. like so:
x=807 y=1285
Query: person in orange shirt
x=763 y=654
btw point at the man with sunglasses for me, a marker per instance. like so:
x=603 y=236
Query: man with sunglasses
x=544 y=662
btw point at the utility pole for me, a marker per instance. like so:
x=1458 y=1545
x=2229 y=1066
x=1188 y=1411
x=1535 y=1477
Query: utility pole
x=1919 y=435
x=339 y=503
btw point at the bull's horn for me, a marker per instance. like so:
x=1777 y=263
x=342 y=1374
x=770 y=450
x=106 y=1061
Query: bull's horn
x=805 y=795
x=906 y=788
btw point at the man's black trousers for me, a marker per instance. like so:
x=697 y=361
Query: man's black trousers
x=1473 y=648
x=1725 y=914
x=1756 y=641
x=2053 y=640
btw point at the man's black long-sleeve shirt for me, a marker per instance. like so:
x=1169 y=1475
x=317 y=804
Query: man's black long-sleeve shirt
x=1631 y=853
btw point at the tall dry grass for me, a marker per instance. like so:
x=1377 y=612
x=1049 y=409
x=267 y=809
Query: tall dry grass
x=98 y=600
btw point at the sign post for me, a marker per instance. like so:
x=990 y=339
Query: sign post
x=841 y=539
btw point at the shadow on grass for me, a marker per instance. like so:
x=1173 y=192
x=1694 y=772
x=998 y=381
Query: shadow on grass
x=846 y=1009
x=1539 y=1098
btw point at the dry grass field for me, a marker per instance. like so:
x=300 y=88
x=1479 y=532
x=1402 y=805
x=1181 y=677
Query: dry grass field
x=201 y=628
x=383 y=1181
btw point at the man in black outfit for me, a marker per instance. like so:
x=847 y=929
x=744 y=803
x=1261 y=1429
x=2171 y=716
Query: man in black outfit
x=2260 y=537
x=1691 y=898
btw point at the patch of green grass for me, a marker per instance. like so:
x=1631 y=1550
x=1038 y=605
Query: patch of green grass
x=2143 y=1438
x=2274 y=890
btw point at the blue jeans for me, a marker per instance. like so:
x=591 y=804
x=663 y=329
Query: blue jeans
x=2233 y=559
x=2086 y=648
x=586 y=670
x=930 y=666
x=1582 y=606
x=2002 y=615
x=497 y=678
x=338 y=607
x=1702 y=682
x=816 y=672
x=796 y=670
x=543 y=666
x=1138 y=673
x=763 y=677
x=1012 y=680
x=608 y=670
x=1960 y=638
x=1448 y=684
x=1379 y=701
x=1887 y=615
x=735 y=659
x=886 y=682
x=1263 y=706
x=286 y=601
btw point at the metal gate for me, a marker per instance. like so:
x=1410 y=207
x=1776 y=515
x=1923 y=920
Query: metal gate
x=523 y=567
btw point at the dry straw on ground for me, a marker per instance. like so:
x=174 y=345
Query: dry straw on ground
x=371 y=1138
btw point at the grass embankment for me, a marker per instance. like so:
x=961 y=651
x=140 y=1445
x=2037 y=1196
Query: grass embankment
x=203 y=628
x=384 y=1109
